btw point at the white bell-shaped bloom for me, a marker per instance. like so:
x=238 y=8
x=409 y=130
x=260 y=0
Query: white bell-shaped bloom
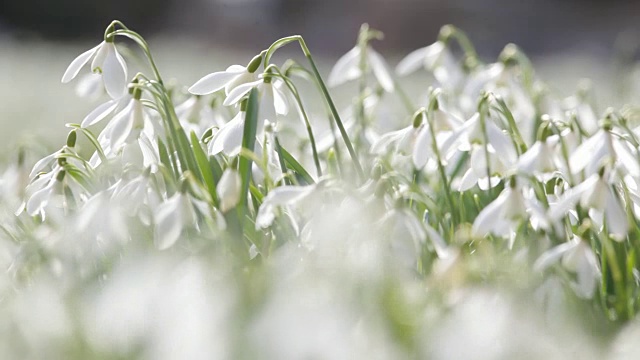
x=578 y=257
x=435 y=58
x=443 y=125
x=513 y=206
x=39 y=192
x=600 y=148
x=280 y=196
x=540 y=160
x=105 y=60
x=229 y=189
x=103 y=218
x=348 y=68
x=229 y=138
x=229 y=79
x=426 y=57
x=171 y=217
x=597 y=195
x=128 y=125
x=399 y=141
x=102 y=111
x=273 y=101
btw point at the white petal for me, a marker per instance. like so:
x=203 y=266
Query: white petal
x=490 y=216
x=114 y=73
x=287 y=194
x=346 y=68
x=99 y=113
x=98 y=59
x=382 y=145
x=422 y=148
x=228 y=189
x=212 y=82
x=169 y=223
x=229 y=137
x=239 y=92
x=379 y=67
x=412 y=62
x=553 y=255
x=280 y=101
x=42 y=164
x=39 y=199
x=527 y=163
x=627 y=157
x=77 y=64
x=502 y=144
x=469 y=180
x=283 y=195
x=265 y=217
x=569 y=199
x=587 y=152
x=122 y=126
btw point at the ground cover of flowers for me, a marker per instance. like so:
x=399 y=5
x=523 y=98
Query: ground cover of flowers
x=247 y=217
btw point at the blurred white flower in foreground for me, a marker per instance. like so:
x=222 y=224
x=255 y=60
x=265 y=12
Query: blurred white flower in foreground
x=105 y=60
x=348 y=68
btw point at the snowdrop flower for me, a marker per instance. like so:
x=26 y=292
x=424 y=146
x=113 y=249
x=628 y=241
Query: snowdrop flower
x=348 y=68
x=105 y=60
x=273 y=101
x=506 y=212
x=128 y=125
x=229 y=189
x=441 y=127
x=540 y=160
x=99 y=217
x=41 y=190
x=280 y=196
x=103 y=110
x=595 y=194
x=399 y=141
x=137 y=196
x=197 y=115
x=229 y=138
x=577 y=257
x=229 y=79
x=426 y=57
x=171 y=217
x=602 y=147
x=435 y=58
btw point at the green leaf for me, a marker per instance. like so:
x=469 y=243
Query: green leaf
x=248 y=143
x=294 y=165
x=204 y=167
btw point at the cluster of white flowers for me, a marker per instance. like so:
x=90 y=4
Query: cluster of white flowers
x=190 y=227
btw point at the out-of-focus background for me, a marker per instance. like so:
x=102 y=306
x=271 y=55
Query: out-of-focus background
x=566 y=39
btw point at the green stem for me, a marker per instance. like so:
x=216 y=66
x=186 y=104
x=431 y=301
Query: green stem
x=305 y=117
x=325 y=94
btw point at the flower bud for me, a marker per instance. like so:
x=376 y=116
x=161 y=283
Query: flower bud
x=254 y=64
x=71 y=138
x=229 y=189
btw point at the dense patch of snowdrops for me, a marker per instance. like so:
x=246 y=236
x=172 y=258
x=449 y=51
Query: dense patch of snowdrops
x=480 y=219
